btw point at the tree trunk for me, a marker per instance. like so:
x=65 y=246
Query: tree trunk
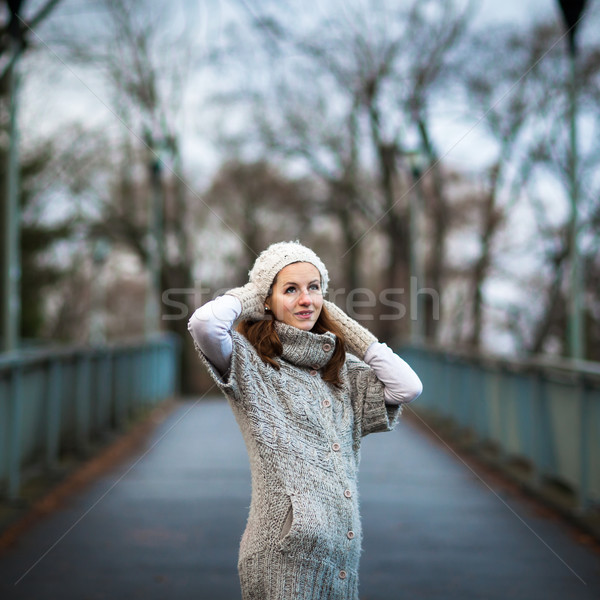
x=435 y=266
x=555 y=310
x=351 y=277
x=491 y=221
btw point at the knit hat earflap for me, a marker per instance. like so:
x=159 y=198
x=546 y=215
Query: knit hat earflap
x=280 y=255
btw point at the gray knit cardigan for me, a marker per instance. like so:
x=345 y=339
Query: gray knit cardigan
x=303 y=536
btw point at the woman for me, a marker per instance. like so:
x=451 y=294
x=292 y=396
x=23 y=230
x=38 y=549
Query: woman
x=303 y=405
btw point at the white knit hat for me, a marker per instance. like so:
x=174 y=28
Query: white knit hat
x=279 y=255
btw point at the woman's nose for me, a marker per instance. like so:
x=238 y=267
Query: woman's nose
x=305 y=297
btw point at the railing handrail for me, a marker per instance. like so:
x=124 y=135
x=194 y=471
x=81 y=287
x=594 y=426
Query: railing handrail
x=62 y=397
x=543 y=411
x=582 y=371
x=25 y=357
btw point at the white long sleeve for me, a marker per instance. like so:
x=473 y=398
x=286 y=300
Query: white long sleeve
x=210 y=326
x=402 y=384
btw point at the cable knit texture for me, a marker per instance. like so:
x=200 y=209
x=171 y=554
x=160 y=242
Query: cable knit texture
x=280 y=255
x=252 y=304
x=303 y=536
x=358 y=338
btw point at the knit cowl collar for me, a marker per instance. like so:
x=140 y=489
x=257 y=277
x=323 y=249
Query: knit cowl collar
x=305 y=348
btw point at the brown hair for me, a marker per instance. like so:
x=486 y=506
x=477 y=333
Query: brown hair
x=263 y=336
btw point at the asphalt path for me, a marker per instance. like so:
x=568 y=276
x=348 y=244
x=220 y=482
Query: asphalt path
x=166 y=523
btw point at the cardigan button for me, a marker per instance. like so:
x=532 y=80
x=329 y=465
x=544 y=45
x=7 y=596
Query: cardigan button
x=327 y=347
x=326 y=402
x=313 y=372
x=343 y=574
x=335 y=446
x=347 y=493
x=350 y=535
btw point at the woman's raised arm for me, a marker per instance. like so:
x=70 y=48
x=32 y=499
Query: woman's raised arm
x=210 y=326
x=402 y=384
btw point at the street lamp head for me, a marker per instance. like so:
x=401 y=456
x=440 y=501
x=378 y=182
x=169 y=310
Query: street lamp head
x=572 y=11
x=14 y=26
x=417 y=162
x=156 y=166
x=101 y=250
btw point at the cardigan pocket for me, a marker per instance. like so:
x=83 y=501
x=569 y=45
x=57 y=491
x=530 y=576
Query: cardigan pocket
x=287 y=524
x=290 y=524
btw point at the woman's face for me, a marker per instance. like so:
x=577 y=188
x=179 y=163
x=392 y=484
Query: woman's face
x=296 y=298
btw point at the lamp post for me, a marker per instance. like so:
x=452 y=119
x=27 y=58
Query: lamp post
x=100 y=252
x=154 y=235
x=11 y=269
x=572 y=12
x=416 y=163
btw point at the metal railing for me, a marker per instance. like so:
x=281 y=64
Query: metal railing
x=60 y=399
x=544 y=412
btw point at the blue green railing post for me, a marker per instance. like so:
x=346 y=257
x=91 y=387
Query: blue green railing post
x=82 y=403
x=106 y=383
x=120 y=391
x=15 y=432
x=53 y=414
x=52 y=398
x=584 y=448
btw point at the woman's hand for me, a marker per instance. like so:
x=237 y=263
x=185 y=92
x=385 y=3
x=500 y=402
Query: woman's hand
x=358 y=338
x=253 y=308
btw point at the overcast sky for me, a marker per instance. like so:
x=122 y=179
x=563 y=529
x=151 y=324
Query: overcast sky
x=516 y=10
x=86 y=96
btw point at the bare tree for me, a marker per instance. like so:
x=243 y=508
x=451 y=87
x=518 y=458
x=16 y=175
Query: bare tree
x=261 y=205
x=145 y=68
x=17 y=21
x=370 y=83
x=510 y=98
x=300 y=125
x=438 y=66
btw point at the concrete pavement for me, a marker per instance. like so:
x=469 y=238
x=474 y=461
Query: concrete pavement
x=166 y=524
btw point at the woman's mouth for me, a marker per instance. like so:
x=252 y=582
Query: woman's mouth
x=305 y=314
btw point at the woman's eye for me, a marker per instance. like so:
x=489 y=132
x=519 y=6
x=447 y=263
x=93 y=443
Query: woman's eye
x=290 y=289
x=314 y=286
